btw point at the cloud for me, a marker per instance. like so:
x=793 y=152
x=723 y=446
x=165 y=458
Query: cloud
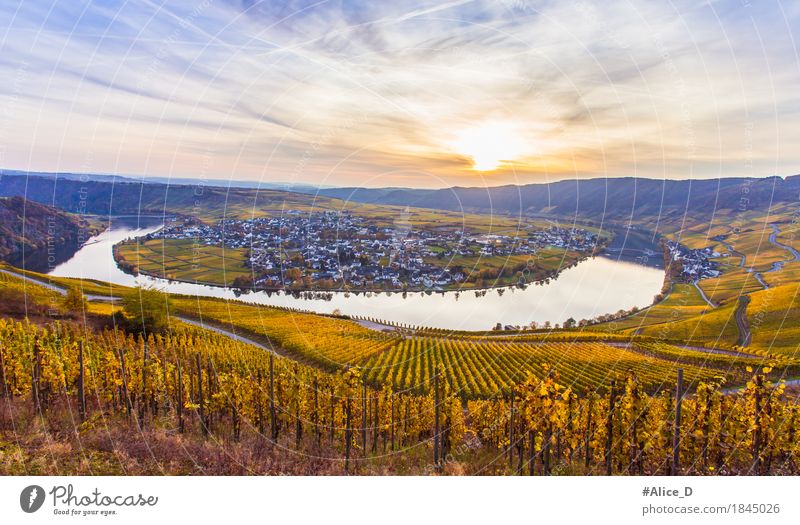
x=378 y=90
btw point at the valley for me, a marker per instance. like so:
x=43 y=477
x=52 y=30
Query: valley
x=724 y=314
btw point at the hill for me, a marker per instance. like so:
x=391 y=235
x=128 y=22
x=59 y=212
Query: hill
x=595 y=199
x=27 y=227
x=118 y=197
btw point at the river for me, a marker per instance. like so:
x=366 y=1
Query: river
x=595 y=286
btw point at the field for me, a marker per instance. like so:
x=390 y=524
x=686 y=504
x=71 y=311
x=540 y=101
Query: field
x=683 y=301
x=185 y=260
x=773 y=315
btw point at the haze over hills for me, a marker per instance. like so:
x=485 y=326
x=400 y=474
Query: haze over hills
x=615 y=199
x=610 y=198
x=123 y=196
x=174 y=181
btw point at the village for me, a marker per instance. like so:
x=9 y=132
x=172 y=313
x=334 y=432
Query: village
x=328 y=250
x=695 y=264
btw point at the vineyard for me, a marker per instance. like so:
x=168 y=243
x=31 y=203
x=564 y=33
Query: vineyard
x=477 y=365
x=481 y=369
x=326 y=342
x=196 y=382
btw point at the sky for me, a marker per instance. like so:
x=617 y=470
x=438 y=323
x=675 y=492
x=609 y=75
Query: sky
x=401 y=93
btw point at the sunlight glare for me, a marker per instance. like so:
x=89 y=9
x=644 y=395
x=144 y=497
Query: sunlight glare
x=490 y=145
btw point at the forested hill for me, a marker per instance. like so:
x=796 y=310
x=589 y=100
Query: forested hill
x=137 y=197
x=610 y=198
x=28 y=226
x=592 y=199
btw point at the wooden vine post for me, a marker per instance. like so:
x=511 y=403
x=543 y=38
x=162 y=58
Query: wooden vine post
x=610 y=428
x=179 y=388
x=511 y=431
x=436 y=429
x=272 y=415
x=125 y=394
x=81 y=383
x=143 y=395
x=589 y=431
x=200 y=401
x=35 y=378
x=757 y=430
x=364 y=415
x=676 y=431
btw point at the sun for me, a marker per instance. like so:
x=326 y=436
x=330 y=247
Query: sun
x=490 y=145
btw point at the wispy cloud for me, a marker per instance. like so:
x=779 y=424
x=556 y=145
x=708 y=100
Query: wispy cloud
x=345 y=92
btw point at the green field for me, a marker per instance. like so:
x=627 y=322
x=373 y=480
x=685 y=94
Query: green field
x=185 y=260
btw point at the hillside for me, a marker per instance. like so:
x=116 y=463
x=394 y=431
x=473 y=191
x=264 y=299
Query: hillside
x=598 y=200
x=201 y=402
x=595 y=199
x=121 y=198
x=27 y=226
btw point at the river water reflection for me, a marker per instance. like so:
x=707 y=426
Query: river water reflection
x=595 y=286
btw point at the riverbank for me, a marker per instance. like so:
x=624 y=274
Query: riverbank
x=593 y=287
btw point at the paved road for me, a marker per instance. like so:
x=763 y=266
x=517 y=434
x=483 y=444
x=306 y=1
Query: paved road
x=59 y=289
x=773 y=238
x=704 y=296
x=224 y=332
x=776 y=266
x=741 y=256
x=227 y=333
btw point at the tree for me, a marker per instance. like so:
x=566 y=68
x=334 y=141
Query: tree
x=569 y=323
x=147 y=309
x=244 y=282
x=74 y=302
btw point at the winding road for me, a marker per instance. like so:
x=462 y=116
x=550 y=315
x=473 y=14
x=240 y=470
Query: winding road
x=704 y=296
x=729 y=246
x=60 y=289
x=776 y=266
x=110 y=299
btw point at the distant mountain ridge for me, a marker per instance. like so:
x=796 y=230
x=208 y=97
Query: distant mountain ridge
x=123 y=197
x=610 y=198
x=175 y=181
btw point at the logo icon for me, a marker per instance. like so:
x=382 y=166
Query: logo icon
x=31 y=498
